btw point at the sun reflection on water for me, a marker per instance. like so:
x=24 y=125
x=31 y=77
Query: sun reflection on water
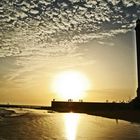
x=71 y=125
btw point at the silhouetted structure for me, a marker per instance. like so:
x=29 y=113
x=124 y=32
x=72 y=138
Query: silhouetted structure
x=136 y=102
x=87 y=107
x=138 y=55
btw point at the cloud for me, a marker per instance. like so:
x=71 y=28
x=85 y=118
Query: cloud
x=29 y=26
x=38 y=32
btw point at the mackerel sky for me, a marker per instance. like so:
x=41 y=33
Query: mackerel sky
x=39 y=38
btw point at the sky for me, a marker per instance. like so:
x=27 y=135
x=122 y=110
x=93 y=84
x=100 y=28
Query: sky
x=40 y=38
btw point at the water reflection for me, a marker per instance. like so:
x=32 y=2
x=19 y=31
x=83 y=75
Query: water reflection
x=71 y=125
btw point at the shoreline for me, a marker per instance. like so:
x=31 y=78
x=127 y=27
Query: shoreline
x=132 y=116
x=116 y=111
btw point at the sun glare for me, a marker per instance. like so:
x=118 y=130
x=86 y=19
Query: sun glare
x=71 y=125
x=70 y=84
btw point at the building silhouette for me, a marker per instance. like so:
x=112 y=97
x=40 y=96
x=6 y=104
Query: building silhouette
x=137 y=29
x=136 y=101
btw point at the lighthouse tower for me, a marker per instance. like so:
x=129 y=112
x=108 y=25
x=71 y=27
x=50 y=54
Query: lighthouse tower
x=137 y=29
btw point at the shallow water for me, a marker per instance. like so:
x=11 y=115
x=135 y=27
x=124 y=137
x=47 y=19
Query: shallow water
x=41 y=125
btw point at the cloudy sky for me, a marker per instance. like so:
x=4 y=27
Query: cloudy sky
x=40 y=38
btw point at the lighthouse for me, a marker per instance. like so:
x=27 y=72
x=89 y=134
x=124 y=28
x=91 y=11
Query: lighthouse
x=137 y=29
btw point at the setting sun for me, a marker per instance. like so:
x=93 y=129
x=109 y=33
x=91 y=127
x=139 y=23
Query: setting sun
x=70 y=84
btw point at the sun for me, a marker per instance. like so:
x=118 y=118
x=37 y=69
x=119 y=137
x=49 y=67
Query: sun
x=70 y=84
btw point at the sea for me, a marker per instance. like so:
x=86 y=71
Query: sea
x=31 y=124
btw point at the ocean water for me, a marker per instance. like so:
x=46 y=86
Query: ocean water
x=29 y=124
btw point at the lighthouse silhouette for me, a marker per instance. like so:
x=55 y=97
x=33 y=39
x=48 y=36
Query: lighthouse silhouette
x=137 y=29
